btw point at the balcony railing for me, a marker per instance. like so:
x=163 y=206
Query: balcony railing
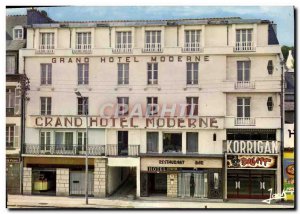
x=53 y=149
x=244 y=85
x=83 y=48
x=152 y=47
x=244 y=46
x=192 y=47
x=115 y=150
x=123 y=48
x=244 y=121
x=45 y=49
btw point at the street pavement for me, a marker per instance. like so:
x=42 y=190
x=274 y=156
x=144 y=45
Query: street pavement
x=22 y=201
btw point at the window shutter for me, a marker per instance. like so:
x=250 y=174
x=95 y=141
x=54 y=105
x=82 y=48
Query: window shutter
x=16 y=136
x=17 y=107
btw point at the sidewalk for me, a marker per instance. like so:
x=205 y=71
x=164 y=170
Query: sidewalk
x=20 y=201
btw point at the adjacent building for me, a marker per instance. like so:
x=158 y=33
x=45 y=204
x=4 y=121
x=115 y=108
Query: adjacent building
x=226 y=72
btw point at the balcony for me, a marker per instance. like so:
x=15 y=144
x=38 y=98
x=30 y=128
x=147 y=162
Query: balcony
x=53 y=149
x=192 y=47
x=45 y=49
x=244 y=46
x=244 y=121
x=123 y=48
x=115 y=150
x=244 y=85
x=82 y=49
x=152 y=48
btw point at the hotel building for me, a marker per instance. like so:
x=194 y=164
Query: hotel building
x=227 y=70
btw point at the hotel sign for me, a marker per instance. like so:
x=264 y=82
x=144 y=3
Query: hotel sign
x=252 y=146
x=248 y=161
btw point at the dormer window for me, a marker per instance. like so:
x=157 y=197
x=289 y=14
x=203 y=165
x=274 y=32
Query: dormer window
x=18 y=33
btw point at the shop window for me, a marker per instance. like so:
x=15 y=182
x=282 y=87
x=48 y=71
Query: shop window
x=270 y=103
x=152 y=141
x=216 y=180
x=192 y=142
x=172 y=142
x=44 y=182
x=193 y=184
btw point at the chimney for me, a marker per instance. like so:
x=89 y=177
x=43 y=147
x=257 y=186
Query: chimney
x=35 y=16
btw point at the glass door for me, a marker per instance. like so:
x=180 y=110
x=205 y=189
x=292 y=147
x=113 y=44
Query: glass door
x=256 y=186
x=243 y=186
x=232 y=186
x=268 y=183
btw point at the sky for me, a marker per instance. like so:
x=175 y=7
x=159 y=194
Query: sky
x=283 y=16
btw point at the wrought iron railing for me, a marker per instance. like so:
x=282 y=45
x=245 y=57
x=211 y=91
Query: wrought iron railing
x=115 y=150
x=52 y=149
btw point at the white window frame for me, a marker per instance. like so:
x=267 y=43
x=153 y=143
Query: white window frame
x=84 y=104
x=46 y=111
x=47 y=79
x=47 y=147
x=10 y=98
x=151 y=105
x=243 y=105
x=194 y=111
x=18 y=37
x=193 y=81
x=152 y=41
x=151 y=72
x=122 y=80
x=194 y=43
x=47 y=41
x=11 y=64
x=124 y=43
x=87 y=45
x=83 y=74
x=9 y=136
x=83 y=141
x=122 y=105
x=64 y=140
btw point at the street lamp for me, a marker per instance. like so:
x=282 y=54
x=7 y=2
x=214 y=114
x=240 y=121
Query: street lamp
x=78 y=94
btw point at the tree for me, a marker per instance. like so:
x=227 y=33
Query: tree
x=285 y=51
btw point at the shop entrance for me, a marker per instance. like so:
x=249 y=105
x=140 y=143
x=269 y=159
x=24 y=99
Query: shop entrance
x=193 y=184
x=44 y=181
x=250 y=183
x=77 y=183
x=157 y=184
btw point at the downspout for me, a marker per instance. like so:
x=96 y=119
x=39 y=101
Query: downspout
x=23 y=101
x=282 y=121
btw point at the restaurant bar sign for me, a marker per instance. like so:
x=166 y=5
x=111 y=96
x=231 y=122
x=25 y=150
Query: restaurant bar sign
x=252 y=146
x=248 y=161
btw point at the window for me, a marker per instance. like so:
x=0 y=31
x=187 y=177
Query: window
x=83 y=74
x=10 y=136
x=45 y=105
x=10 y=101
x=152 y=141
x=124 y=40
x=18 y=33
x=192 y=73
x=243 y=107
x=270 y=67
x=172 y=142
x=64 y=141
x=46 y=74
x=152 y=77
x=123 y=73
x=270 y=104
x=46 y=41
x=192 y=40
x=243 y=70
x=83 y=105
x=83 y=41
x=45 y=140
x=81 y=141
x=244 y=40
x=192 y=142
x=123 y=105
x=192 y=106
x=10 y=64
x=152 y=105
x=153 y=41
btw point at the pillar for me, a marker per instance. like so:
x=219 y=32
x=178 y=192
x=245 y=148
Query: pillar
x=172 y=185
x=62 y=181
x=27 y=181
x=100 y=177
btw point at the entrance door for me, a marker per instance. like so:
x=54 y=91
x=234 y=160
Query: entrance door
x=256 y=186
x=77 y=183
x=123 y=143
x=268 y=183
x=232 y=186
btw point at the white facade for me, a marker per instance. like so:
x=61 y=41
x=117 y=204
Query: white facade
x=217 y=90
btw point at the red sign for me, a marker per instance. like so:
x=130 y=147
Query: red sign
x=247 y=161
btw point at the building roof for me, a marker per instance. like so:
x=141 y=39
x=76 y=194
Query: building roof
x=166 y=22
x=14 y=45
x=11 y=22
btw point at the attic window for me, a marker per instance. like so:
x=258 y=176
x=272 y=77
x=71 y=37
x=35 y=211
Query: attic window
x=18 y=33
x=270 y=67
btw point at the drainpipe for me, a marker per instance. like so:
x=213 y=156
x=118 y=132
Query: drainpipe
x=282 y=121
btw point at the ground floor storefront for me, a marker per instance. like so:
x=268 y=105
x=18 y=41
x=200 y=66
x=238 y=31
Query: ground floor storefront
x=181 y=177
x=13 y=169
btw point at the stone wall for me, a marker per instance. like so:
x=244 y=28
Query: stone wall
x=27 y=181
x=172 y=185
x=100 y=177
x=62 y=182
